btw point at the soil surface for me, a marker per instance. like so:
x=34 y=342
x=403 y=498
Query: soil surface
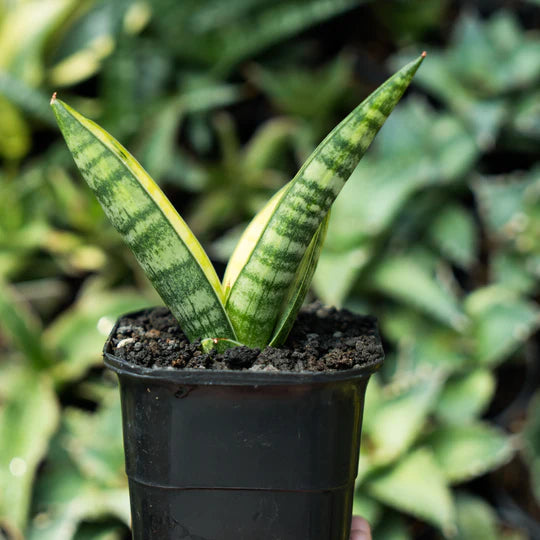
x=322 y=339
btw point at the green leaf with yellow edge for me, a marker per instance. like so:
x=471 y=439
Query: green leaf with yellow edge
x=24 y=31
x=29 y=413
x=470 y=450
x=21 y=325
x=501 y=321
x=423 y=343
x=300 y=284
x=453 y=233
x=77 y=335
x=337 y=272
x=83 y=478
x=70 y=499
x=94 y=441
x=416 y=485
x=248 y=241
x=167 y=250
x=404 y=279
x=514 y=271
x=509 y=205
x=465 y=396
x=256 y=295
x=400 y=415
x=475 y=519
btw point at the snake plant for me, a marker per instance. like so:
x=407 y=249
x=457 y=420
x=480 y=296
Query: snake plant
x=270 y=270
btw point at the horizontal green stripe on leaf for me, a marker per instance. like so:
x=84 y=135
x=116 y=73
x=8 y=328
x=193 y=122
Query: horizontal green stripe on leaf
x=299 y=287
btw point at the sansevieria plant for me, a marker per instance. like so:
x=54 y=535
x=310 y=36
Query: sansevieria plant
x=270 y=270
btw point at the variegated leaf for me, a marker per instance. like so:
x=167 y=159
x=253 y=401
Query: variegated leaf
x=167 y=250
x=300 y=285
x=249 y=239
x=257 y=294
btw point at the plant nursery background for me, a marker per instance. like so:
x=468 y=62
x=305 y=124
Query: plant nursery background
x=437 y=234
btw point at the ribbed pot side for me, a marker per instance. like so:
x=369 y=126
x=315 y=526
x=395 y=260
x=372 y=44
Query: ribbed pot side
x=240 y=455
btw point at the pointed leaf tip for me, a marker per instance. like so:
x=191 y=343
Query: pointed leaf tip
x=53 y=98
x=258 y=284
x=167 y=250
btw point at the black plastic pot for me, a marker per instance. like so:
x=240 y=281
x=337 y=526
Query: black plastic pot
x=225 y=455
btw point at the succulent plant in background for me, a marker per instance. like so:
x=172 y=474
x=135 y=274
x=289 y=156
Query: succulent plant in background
x=270 y=271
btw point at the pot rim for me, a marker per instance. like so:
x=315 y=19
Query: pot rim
x=229 y=377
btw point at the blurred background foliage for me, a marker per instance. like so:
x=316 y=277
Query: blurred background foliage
x=437 y=234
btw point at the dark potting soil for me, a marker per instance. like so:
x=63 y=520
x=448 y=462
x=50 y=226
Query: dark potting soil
x=322 y=339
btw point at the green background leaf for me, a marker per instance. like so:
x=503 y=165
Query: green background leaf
x=417 y=485
x=29 y=413
x=466 y=451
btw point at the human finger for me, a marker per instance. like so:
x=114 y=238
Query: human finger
x=360 y=529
